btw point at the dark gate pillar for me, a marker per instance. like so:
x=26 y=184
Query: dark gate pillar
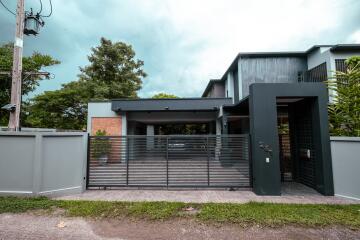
x=323 y=167
x=264 y=142
x=264 y=134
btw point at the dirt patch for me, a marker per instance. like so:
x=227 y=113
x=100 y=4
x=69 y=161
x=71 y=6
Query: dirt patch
x=53 y=211
x=31 y=226
x=192 y=229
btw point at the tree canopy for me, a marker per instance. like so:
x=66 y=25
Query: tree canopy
x=344 y=112
x=33 y=63
x=62 y=109
x=164 y=95
x=113 y=72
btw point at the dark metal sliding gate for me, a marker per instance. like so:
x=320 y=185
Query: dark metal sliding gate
x=169 y=161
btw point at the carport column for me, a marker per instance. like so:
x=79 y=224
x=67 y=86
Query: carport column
x=123 y=134
x=218 y=126
x=123 y=124
x=150 y=132
x=218 y=138
x=225 y=125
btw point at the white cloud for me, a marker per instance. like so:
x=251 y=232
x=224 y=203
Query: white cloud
x=354 y=37
x=223 y=28
x=185 y=43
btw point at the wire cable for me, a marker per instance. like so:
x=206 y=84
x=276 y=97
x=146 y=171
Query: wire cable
x=7 y=8
x=40 y=7
x=50 y=10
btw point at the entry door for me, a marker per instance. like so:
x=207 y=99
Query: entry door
x=302 y=140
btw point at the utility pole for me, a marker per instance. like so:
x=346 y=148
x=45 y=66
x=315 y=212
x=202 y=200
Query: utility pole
x=14 y=120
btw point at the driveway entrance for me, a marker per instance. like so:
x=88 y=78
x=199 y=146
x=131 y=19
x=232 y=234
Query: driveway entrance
x=200 y=161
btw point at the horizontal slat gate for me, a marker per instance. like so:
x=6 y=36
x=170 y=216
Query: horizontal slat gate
x=169 y=161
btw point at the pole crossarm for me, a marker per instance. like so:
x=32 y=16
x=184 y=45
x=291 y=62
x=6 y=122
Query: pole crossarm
x=27 y=73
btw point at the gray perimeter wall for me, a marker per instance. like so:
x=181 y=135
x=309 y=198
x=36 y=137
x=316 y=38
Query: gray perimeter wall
x=39 y=163
x=346 y=166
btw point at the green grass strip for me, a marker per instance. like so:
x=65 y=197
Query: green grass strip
x=266 y=214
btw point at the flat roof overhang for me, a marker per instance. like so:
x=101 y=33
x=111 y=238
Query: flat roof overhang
x=345 y=47
x=165 y=105
x=240 y=108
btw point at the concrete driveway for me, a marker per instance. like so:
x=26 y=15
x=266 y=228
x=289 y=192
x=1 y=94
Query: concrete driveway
x=292 y=193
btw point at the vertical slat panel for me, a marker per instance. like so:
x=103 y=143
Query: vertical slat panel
x=110 y=172
x=170 y=161
x=340 y=65
x=318 y=73
x=187 y=161
x=147 y=162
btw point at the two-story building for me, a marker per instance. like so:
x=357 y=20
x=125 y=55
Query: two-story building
x=277 y=98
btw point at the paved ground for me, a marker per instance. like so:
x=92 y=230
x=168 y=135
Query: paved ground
x=30 y=226
x=292 y=193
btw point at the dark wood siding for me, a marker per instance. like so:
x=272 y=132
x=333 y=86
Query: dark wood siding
x=236 y=85
x=270 y=70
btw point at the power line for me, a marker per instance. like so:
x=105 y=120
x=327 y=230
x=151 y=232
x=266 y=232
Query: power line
x=50 y=10
x=9 y=9
x=40 y=6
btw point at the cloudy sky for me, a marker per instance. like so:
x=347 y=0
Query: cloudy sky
x=183 y=43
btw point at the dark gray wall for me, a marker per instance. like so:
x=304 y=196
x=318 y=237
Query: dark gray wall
x=270 y=70
x=263 y=128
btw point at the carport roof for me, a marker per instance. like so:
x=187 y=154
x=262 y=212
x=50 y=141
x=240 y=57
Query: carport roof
x=171 y=104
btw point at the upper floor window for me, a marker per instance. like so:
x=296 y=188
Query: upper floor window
x=340 y=65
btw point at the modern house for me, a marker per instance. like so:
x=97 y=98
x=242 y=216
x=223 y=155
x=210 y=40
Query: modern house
x=276 y=99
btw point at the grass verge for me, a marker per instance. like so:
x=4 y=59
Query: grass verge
x=266 y=214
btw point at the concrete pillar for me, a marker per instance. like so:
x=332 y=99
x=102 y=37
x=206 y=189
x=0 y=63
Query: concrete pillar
x=150 y=132
x=225 y=124
x=123 y=124
x=218 y=138
x=218 y=126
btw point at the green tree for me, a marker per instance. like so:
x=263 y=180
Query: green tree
x=164 y=95
x=112 y=73
x=344 y=112
x=33 y=63
x=62 y=109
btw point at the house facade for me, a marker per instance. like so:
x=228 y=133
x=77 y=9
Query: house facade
x=276 y=98
x=317 y=64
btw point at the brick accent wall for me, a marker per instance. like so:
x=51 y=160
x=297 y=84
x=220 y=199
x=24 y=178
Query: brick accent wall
x=112 y=125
